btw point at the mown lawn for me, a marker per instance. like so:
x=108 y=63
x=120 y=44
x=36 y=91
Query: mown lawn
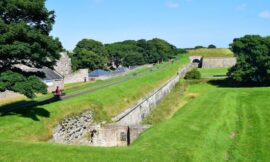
x=217 y=124
x=205 y=52
x=213 y=72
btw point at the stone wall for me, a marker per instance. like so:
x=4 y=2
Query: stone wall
x=80 y=129
x=214 y=62
x=63 y=65
x=7 y=94
x=74 y=129
x=195 y=58
x=135 y=114
x=78 y=76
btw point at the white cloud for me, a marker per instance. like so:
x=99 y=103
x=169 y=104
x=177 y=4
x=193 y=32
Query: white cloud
x=264 y=14
x=172 y=4
x=242 y=7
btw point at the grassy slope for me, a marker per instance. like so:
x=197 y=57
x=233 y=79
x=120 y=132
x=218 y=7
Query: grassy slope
x=210 y=72
x=220 y=124
x=73 y=88
x=205 y=52
x=169 y=105
x=105 y=103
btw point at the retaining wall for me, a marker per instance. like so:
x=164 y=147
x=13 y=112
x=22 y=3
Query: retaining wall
x=214 y=62
x=7 y=94
x=135 y=114
x=78 y=76
x=80 y=129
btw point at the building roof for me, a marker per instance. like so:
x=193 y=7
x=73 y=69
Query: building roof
x=98 y=72
x=48 y=74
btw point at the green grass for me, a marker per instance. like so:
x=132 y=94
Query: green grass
x=106 y=103
x=212 y=72
x=169 y=105
x=205 y=52
x=74 y=88
x=218 y=124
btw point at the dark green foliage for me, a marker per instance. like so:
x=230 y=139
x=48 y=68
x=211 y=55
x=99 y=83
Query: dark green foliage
x=253 y=60
x=24 y=39
x=133 y=58
x=152 y=51
x=89 y=54
x=212 y=46
x=182 y=51
x=119 y=50
x=159 y=50
x=193 y=74
x=19 y=83
x=199 y=47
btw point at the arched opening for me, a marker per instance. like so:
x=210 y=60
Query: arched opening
x=197 y=63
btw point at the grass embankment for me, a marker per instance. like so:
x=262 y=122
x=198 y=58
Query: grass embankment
x=213 y=72
x=218 y=124
x=169 y=105
x=74 y=88
x=35 y=124
x=205 y=52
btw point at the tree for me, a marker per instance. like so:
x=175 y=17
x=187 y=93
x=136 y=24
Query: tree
x=212 y=46
x=193 y=74
x=24 y=39
x=253 y=60
x=119 y=50
x=133 y=59
x=199 y=47
x=159 y=50
x=152 y=51
x=89 y=54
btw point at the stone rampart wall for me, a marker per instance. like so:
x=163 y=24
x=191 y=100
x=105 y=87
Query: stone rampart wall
x=135 y=114
x=218 y=62
x=78 y=76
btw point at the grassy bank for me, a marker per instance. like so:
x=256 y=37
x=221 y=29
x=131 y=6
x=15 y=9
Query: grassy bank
x=218 y=124
x=205 y=52
x=213 y=72
x=105 y=103
x=205 y=122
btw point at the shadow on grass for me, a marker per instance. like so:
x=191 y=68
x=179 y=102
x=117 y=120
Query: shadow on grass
x=227 y=83
x=28 y=109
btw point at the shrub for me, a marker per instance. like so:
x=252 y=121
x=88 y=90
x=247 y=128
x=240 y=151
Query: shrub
x=212 y=46
x=193 y=74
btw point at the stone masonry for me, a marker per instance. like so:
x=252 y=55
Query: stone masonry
x=80 y=129
x=214 y=62
x=63 y=65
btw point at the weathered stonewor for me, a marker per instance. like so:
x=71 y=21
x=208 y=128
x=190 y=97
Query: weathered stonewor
x=135 y=114
x=74 y=129
x=80 y=129
x=7 y=94
x=214 y=62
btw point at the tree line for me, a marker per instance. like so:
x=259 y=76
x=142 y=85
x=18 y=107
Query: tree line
x=92 y=54
x=24 y=39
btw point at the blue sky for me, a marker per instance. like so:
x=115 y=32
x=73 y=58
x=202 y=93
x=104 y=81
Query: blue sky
x=184 y=23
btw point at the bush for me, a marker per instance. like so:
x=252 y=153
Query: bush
x=193 y=74
x=212 y=46
x=199 y=47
